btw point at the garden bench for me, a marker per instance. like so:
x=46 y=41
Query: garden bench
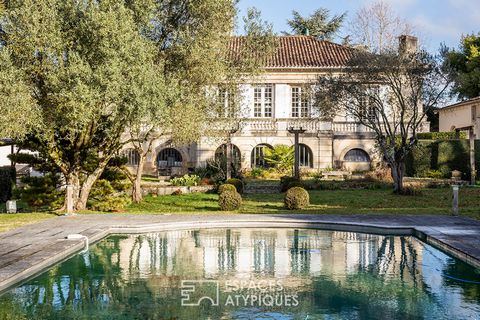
x=336 y=175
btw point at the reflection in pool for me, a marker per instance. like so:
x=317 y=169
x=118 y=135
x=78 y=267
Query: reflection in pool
x=252 y=274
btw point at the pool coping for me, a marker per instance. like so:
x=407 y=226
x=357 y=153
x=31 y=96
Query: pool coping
x=443 y=232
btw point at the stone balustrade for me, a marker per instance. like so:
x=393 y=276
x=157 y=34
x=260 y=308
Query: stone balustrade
x=273 y=125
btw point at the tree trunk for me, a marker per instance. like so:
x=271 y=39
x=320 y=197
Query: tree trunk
x=72 y=179
x=398 y=172
x=87 y=185
x=136 y=184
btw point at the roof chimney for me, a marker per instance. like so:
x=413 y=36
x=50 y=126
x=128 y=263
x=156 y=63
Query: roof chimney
x=306 y=32
x=407 y=44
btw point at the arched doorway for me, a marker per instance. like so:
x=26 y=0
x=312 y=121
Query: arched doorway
x=305 y=155
x=235 y=156
x=258 y=156
x=168 y=158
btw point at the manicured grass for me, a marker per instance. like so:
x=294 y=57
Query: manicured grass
x=12 y=221
x=380 y=201
x=431 y=201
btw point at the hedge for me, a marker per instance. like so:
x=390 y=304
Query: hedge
x=7 y=181
x=440 y=157
x=450 y=135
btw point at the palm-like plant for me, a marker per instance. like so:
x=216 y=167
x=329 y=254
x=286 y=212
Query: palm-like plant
x=280 y=157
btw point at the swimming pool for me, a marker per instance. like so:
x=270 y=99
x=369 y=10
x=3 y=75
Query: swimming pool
x=251 y=273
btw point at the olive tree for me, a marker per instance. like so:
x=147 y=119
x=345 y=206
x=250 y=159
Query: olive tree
x=86 y=66
x=389 y=93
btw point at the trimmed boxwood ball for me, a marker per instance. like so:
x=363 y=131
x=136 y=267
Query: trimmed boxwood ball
x=229 y=200
x=226 y=187
x=237 y=183
x=296 y=198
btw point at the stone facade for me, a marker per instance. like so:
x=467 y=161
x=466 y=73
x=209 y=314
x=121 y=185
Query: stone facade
x=340 y=144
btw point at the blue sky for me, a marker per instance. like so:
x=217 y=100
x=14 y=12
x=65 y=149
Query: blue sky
x=436 y=20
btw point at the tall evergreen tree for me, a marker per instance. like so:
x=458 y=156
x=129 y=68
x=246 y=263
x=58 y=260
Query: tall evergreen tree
x=319 y=24
x=465 y=65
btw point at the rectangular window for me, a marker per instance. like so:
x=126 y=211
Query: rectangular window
x=225 y=103
x=263 y=101
x=367 y=108
x=300 y=103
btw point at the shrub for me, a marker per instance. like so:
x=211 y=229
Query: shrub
x=42 y=193
x=287 y=182
x=450 y=135
x=186 y=181
x=296 y=198
x=443 y=156
x=104 y=197
x=257 y=173
x=7 y=181
x=237 y=183
x=111 y=203
x=229 y=200
x=434 y=174
x=226 y=187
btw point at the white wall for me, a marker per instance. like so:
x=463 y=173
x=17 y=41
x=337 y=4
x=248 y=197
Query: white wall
x=4 y=152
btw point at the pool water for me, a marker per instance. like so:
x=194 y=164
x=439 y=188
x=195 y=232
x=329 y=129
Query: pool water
x=251 y=274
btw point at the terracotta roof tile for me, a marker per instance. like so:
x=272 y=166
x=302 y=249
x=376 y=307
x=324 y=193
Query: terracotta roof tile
x=301 y=52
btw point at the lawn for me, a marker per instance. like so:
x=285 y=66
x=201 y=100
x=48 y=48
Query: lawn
x=381 y=201
x=12 y=221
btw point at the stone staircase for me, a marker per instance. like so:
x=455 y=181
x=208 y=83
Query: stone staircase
x=262 y=186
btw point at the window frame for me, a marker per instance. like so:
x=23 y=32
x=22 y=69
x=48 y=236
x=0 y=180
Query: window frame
x=300 y=103
x=264 y=100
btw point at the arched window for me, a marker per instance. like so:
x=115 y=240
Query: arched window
x=169 y=157
x=132 y=156
x=356 y=155
x=258 y=156
x=235 y=156
x=306 y=156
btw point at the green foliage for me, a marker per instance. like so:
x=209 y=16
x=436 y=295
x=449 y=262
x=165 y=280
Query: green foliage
x=105 y=198
x=319 y=24
x=41 y=193
x=20 y=113
x=440 y=135
x=7 y=181
x=280 y=157
x=229 y=200
x=239 y=185
x=465 y=65
x=419 y=161
x=434 y=174
x=226 y=187
x=257 y=172
x=296 y=198
x=216 y=169
x=287 y=182
x=438 y=158
x=186 y=180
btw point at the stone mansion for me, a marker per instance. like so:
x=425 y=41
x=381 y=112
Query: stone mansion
x=273 y=106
